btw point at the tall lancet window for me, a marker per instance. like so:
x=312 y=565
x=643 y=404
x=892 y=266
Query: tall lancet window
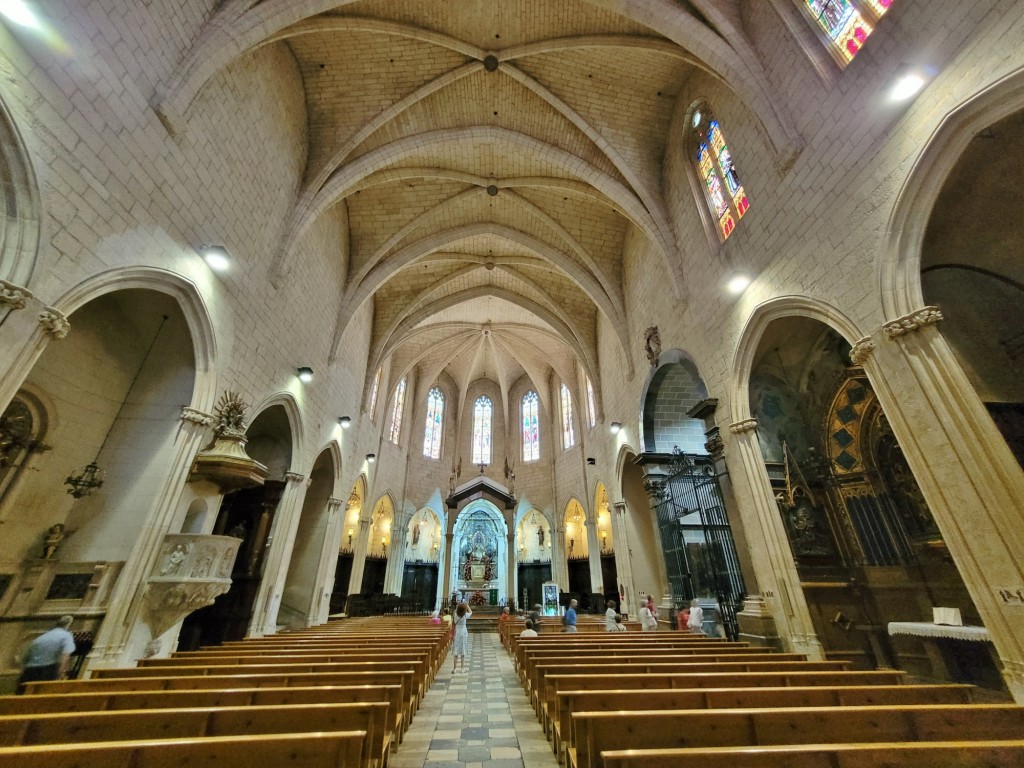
x=435 y=416
x=531 y=427
x=591 y=404
x=846 y=24
x=396 y=412
x=568 y=429
x=717 y=170
x=373 y=394
x=483 y=412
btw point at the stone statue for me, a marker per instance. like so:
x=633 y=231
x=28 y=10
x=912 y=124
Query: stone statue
x=174 y=561
x=540 y=536
x=53 y=539
x=416 y=534
x=652 y=344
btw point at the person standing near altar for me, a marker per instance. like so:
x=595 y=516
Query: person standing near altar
x=461 y=645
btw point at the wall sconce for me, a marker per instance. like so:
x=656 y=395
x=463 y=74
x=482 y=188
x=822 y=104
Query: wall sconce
x=370 y=458
x=345 y=422
x=216 y=257
x=305 y=374
x=615 y=427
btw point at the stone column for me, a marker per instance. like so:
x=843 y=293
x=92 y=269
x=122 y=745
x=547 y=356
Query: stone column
x=623 y=558
x=510 y=581
x=770 y=553
x=970 y=479
x=355 y=582
x=123 y=636
x=446 y=577
x=25 y=330
x=275 y=562
x=594 y=556
x=320 y=605
x=560 y=557
x=394 y=574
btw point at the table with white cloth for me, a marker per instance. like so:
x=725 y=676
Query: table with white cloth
x=944 y=664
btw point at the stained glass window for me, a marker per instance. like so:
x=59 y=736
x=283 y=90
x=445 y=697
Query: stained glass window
x=591 y=404
x=847 y=23
x=725 y=194
x=396 y=412
x=482 y=413
x=373 y=393
x=531 y=427
x=432 y=434
x=568 y=430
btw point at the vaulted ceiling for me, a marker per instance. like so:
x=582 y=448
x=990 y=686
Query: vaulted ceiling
x=490 y=156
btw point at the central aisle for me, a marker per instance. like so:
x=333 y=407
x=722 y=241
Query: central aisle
x=480 y=717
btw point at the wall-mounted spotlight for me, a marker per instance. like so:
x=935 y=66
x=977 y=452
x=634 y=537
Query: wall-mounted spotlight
x=19 y=12
x=908 y=84
x=615 y=427
x=737 y=284
x=591 y=461
x=345 y=422
x=370 y=458
x=216 y=257
x=305 y=374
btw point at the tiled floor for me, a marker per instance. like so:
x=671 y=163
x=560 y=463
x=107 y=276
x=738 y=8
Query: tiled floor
x=480 y=717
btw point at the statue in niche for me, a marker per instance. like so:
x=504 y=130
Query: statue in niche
x=652 y=344
x=540 y=536
x=174 y=561
x=54 y=536
x=416 y=535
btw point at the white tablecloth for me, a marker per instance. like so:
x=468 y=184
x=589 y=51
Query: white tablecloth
x=924 y=629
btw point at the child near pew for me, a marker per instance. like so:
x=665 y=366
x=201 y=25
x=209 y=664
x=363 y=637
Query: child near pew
x=461 y=628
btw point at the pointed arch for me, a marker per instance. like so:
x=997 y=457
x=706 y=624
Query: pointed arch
x=20 y=234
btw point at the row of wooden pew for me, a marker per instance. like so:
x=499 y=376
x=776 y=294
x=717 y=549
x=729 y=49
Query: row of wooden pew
x=336 y=696
x=672 y=699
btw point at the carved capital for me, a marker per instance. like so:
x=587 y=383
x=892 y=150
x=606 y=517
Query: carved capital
x=747 y=425
x=862 y=350
x=715 y=447
x=195 y=416
x=333 y=505
x=54 y=323
x=912 y=322
x=13 y=296
x=620 y=507
x=294 y=477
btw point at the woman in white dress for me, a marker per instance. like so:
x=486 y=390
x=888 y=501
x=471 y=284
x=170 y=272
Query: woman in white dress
x=696 y=620
x=461 y=628
x=609 y=617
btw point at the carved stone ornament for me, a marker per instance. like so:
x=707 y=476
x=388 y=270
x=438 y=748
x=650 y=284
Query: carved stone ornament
x=652 y=344
x=196 y=416
x=715 y=447
x=191 y=571
x=747 y=425
x=294 y=477
x=912 y=322
x=224 y=462
x=54 y=323
x=862 y=350
x=13 y=296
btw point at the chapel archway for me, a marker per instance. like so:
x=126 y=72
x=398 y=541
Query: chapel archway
x=576 y=546
x=301 y=586
x=866 y=548
x=378 y=547
x=346 y=547
x=972 y=270
x=247 y=514
x=423 y=545
x=101 y=408
x=533 y=556
x=479 y=554
x=606 y=542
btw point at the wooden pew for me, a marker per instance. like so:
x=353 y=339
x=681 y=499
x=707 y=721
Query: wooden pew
x=945 y=754
x=581 y=682
x=303 y=750
x=568 y=702
x=403 y=678
x=527 y=645
x=112 y=701
x=597 y=732
x=133 y=725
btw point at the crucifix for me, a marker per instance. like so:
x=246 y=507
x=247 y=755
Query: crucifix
x=482 y=465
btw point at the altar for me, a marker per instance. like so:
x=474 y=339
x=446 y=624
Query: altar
x=479 y=549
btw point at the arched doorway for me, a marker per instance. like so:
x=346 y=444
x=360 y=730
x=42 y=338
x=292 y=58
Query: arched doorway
x=866 y=548
x=247 y=514
x=377 y=548
x=346 y=547
x=533 y=556
x=577 y=551
x=301 y=588
x=972 y=270
x=638 y=522
x=479 y=553
x=423 y=544
x=102 y=408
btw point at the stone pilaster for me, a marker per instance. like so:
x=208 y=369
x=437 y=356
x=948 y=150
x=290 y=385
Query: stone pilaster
x=320 y=606
x=278 y=556
x=594 y=556
x=623 y=558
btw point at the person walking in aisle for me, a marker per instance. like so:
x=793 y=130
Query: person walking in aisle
x=696 y=620
x=570 y=617
x=461 y=628
x=48 y=656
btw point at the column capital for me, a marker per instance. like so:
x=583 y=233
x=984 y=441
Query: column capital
x=916 y=320
x=54 y=323
x=13 y=296
x=333 y=504
x=294 y=477
x=862 y=350
x=195 y=416
x=740 y=427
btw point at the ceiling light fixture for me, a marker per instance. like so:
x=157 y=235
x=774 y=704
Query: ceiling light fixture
x=305 y=374
x=370 y=458
x=19 y=12
x=737 y=284
x=216 y=256
x=345 y=422
x=616 y=427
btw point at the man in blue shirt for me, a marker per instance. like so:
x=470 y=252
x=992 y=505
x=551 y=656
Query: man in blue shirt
x=570 y=617
x=48 y=655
